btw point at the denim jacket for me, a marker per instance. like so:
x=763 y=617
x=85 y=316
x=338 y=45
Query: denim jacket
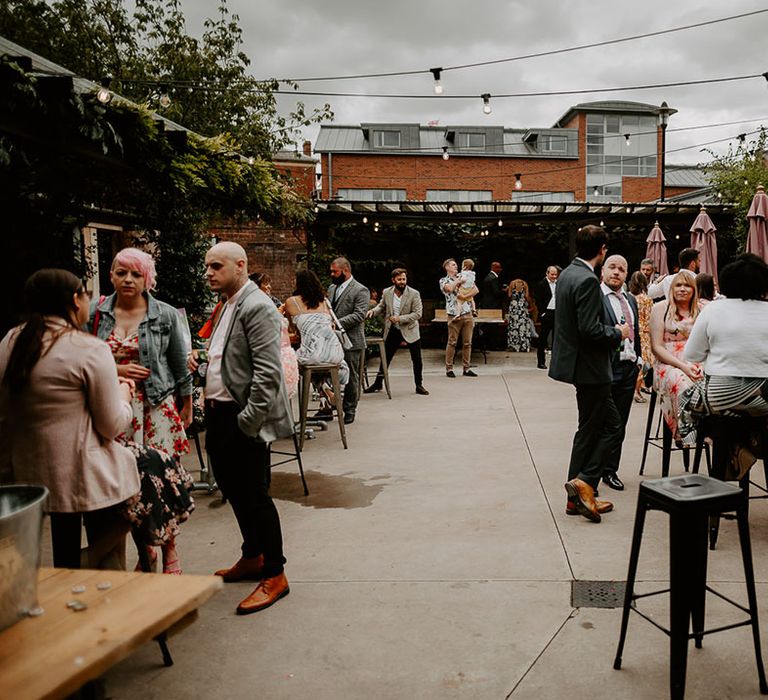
x=163 y=346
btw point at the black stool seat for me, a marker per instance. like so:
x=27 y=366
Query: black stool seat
x=689 y=501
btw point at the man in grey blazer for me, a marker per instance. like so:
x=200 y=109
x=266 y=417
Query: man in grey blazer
x=350 y=300
x=582 y=349
x=401 y=307
x=246 y=408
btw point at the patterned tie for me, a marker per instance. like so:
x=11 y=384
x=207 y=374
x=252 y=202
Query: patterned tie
x=627 y=315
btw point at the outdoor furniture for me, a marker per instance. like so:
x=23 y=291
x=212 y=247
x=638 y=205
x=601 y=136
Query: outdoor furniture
x=717 y=428
x=305 y=373
x=485 y=318
x=53 y=655
x=379 y=342
x=664 y=441
x=689 y=501
x=294 y=456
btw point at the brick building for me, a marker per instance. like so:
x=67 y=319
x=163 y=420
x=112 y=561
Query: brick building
x=607 y=151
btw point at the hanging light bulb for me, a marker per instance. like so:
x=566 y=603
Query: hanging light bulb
x=251 y=160
x=317 y=209
x=104 y=95
x=518 y=181
x=746 y=182
x=486 y=102
x=500 y=222
x=627 y=139
x=438 y=85
x=365 y=219
x=601 y=224
x=450 y=208
x=165 y=100
x=596 y=191
x=445 y=153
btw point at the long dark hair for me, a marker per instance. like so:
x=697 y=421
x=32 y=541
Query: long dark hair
x=47 y=293
x=638 y=283
x=309 y=288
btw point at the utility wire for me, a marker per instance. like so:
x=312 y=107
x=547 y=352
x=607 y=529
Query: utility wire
x=540 y=54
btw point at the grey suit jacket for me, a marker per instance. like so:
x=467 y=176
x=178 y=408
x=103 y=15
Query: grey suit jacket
x=350 y=307
x=410 y=312
x=251 y=369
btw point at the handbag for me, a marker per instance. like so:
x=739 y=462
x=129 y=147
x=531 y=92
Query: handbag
x=339 y=330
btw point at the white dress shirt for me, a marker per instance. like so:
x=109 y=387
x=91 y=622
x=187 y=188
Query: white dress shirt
x=396 y=302
x=627 y=351
x=552 y=286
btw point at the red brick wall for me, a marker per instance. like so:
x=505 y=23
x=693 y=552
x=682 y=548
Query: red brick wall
x=640 y=189
x=271 y=250
x=302 y=176
x=674 y=191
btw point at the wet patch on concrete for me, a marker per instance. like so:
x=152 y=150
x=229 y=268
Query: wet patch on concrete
x=328 y=490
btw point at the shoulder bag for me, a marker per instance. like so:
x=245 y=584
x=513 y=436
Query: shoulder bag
x=339 y=330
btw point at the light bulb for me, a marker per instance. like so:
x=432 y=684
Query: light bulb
x=627 y=140
x=518 y=182
x=501 y=223
x=436 y=75
x=445 y=153
x=450 y=209
x=601 y=224
x=596 y=191
x=251 y=160
x=165 y=100
x=365 y=219
x=486 y=102
x=103 y=95
x=317 y=209
x=438 y=88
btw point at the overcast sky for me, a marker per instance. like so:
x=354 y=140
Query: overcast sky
x=307 y=38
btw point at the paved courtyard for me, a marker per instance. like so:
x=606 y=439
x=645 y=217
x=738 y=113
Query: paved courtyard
x=434 y=559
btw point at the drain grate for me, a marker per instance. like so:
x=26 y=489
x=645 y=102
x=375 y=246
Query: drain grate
x=597 y=594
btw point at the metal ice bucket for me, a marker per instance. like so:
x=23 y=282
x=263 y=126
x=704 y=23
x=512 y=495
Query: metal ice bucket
x=21 y=525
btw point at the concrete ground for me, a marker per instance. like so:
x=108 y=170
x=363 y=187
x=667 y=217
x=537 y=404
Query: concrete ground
x=434 y=559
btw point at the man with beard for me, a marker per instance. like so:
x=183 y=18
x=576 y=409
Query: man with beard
x=349 y=300
x=401 y=307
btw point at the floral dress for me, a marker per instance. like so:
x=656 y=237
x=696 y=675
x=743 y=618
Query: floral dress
x=157 y=439
x=644 y=306
x=670 y=382
x=518 y=323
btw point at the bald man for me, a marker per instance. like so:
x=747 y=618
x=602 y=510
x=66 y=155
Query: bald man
x=246 y=408
x=620 y=308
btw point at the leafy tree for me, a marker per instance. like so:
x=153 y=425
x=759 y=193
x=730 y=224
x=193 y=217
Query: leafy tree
x=149 y=54
x=736 y=176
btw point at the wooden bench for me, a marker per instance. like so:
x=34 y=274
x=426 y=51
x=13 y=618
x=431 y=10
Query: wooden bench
x=485 y=317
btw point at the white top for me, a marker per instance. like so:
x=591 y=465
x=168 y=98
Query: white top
x=627 y=346
x=467 y=278
x=552 y=287
x=396 y=303
x=660 y=290
x=730 y=337
x=214 y=385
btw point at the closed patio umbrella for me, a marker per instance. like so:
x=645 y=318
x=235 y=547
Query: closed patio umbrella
x=757 y=240
x=703 y=239
x=657 y=250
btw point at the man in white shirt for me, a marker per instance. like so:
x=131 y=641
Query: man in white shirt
x=544 y=295
x=620 y=308
x=688 y=260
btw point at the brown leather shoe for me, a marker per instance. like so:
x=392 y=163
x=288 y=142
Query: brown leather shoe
x=243 y=570
x=602 y=507
x=267 y=593
x=583 y=496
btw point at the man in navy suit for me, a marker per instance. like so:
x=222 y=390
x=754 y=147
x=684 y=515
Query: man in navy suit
x=582 y=349
x=620 y=308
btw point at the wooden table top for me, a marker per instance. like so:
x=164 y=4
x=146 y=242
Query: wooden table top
x=53 y=655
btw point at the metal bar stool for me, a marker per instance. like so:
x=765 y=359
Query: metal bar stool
x=689 y=501
x=294 y=456
x=369 y=342
x=306 y=372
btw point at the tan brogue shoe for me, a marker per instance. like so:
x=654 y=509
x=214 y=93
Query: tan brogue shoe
x=267 y=593
x=244 y=570
x=602 y=507
x=583 y=496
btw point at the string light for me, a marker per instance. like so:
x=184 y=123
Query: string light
x=518 y=181
x=602 y=224
x=104 y=95
x=251 y=160
x=165 y=100
x=436 y=75
x=365 y=219
x=500 y=222
x=486 y=102
x=445 y=153
x=596 y=191
x=627 y=140
x=450 y=208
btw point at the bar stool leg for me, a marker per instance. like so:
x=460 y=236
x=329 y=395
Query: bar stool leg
x=339 y=407
x=697 y=549
x=666 y=449
x=385 y=367
x=648 y=424
x=306 y=384
x=749 y=576
x=301 y=466
x=634 y=555
x=682 y=533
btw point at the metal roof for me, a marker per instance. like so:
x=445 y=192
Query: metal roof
x=685 y=176
x=617 y=106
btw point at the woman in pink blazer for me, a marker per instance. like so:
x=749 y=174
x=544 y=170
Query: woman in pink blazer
x=61 y=405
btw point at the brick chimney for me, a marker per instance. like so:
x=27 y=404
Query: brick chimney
x=307 y=147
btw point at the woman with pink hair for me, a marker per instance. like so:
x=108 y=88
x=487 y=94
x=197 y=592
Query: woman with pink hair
x=150 y=347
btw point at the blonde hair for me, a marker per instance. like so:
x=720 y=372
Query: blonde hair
x=687 y=278
x=467 y=264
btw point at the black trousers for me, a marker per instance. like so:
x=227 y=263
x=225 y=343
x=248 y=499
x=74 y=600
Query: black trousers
x=105 y=529
x=623 y=392
x=597 y=435
x=547 y=326
x=240 y=464
x=391 y=344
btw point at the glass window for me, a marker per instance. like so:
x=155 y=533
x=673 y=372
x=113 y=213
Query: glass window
x=469 y=140
x=612 y=124
x=552 y=142
x=386 y=139
x=459 y=195
x=629 y=124
x=630 y=166
x=374 y=195
x=648 y=166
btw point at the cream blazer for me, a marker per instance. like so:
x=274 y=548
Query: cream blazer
x=60 y=430
x=410 y=312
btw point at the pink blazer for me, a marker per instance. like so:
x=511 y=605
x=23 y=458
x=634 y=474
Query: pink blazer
x=60 y=430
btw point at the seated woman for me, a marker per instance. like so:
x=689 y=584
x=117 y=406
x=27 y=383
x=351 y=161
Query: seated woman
x=671 y=325
x=61 y=406
x=519 y=316
x=149 y=346
x=310 y=312
x=638 y=288
x=730 y=339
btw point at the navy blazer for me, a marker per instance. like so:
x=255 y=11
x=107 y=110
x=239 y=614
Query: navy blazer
x=583 y=343
x=609 y=317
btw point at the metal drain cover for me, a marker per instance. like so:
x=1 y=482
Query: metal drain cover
x=597 y=594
